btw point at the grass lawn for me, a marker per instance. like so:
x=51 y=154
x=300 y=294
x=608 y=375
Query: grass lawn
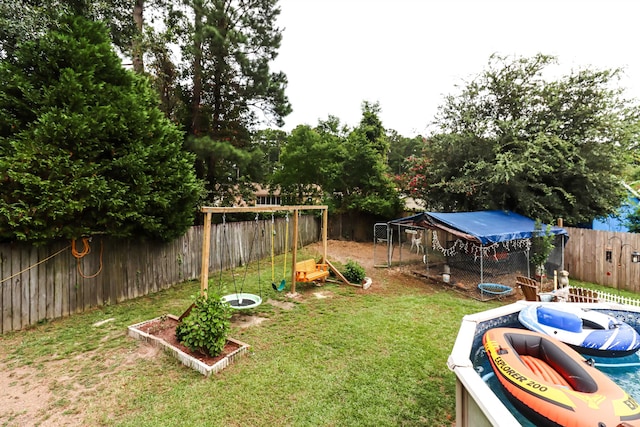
x=340 y=356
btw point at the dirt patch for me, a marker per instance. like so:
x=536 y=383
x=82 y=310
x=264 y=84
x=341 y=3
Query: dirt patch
x=340 y=252
x=21 y=394
x=343 y=251
x=284 y=305
x=144 y=352
x=103 y=322
x=410 y=277
x=28 y=398
x=244 y=321
x=323 y=294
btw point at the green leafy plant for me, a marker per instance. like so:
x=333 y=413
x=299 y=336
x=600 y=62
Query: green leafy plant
x=541 y=246
x=353 y=272
x=206 y=327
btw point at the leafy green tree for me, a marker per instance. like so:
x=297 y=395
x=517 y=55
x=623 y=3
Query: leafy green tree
x=309 y=163
x=633 y=221
x=224 y=161
x=333 y=127
x=544 y=148
x=83 y=146
x=269 y=142
x=18 y=23
x=633 y=176
x=365 y=184
x=27 y=20
x=371 y=128
x=347 y=165
x=402 y=151
x=415 y=181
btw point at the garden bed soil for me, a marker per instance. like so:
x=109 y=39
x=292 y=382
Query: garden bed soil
x=161 y=332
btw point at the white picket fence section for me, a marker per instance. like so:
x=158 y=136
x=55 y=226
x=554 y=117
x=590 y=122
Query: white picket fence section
x=609 y=297
x=619 y=299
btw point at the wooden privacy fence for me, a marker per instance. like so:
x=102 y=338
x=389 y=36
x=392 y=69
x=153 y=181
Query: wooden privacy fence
x=49 y=282
x=603 y=257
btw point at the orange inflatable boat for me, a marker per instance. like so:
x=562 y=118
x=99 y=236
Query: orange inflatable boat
x=553 y=385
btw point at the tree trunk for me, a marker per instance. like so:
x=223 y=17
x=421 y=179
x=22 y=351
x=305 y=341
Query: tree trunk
x=221 y=54
x=136 y=48
x=196 y=123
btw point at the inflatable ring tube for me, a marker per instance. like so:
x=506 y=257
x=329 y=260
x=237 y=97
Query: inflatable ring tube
x=589 y=332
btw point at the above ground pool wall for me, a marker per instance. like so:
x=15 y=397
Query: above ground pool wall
x=476 y=404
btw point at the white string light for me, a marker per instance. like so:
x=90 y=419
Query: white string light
x=478 y=251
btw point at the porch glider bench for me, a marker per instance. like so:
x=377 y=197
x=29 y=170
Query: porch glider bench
x=309 y=271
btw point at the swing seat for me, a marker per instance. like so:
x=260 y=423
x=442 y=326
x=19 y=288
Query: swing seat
x=309 y=271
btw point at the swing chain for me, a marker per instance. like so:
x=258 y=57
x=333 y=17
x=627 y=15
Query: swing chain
x=225 y=245
x=286 y=247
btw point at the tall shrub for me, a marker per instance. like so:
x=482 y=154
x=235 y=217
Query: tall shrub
x=84 y=147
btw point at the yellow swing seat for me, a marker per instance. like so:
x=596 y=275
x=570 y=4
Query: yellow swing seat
x=309 y=271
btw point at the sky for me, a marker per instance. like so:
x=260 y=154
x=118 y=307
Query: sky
x=407 y=55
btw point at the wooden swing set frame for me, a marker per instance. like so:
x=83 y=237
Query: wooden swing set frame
x=206 y=240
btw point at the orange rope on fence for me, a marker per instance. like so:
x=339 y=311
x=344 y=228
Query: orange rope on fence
x=34 y=265
x=86 y=249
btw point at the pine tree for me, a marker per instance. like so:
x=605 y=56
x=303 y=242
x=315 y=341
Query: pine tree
x=231 y=85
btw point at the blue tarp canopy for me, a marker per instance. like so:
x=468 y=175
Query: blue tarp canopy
x=484 y=227
x=619 y=221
